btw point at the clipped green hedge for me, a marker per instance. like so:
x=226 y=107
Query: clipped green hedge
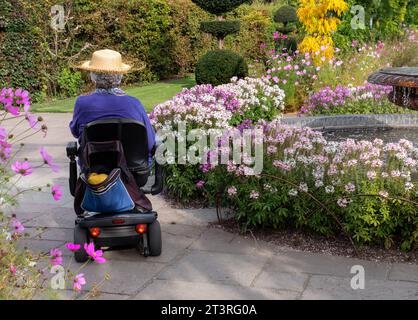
x=220 y=29
x=285 y=15
x=220 y=7
x=19 y=66
x=219 y=66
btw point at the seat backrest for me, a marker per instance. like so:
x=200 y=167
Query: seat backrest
x=131 y=133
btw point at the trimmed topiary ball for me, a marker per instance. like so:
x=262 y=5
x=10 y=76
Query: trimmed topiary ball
x=285 y=15
x=219 y=7
x=219 y=66
x=220 y=29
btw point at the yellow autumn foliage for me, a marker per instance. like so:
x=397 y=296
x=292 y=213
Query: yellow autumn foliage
x=318 y=22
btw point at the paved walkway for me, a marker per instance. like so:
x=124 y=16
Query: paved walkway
x=199 y=262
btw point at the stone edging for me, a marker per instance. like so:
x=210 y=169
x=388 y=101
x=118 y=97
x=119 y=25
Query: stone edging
x=354 y=121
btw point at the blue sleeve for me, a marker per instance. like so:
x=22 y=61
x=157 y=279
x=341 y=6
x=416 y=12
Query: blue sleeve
x=148 y=126
x=74 y=124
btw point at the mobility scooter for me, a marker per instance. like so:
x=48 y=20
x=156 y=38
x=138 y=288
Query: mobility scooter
x=118 y=149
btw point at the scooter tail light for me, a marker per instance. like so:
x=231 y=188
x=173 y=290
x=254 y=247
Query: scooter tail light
x=95 y=232
x=141 y=228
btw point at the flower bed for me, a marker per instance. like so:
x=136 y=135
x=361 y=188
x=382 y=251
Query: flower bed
x=237 y=104
x=366 y=189
x=366 y=99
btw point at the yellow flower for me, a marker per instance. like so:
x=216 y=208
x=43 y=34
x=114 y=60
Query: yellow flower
x=314 y=15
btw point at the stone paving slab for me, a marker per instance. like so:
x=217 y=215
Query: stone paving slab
x=404 y=272
x=323 y=264
x=172 y=247
x=198 y=266
x=326 y=287
x=126 y=277
x=281 y=281
x=180 y=290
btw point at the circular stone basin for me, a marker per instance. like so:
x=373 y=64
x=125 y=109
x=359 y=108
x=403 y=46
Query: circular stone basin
x=388 y=127
x=404 y=81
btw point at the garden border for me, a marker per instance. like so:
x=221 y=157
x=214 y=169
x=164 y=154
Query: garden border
x=354 y=121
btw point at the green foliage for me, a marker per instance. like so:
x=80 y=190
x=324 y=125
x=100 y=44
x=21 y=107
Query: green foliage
x=220 y=29
x=219 y=66
x=384 y=19
x=69 y=82
x=256 y=32
x=368 y=106
x=285 y=15
x=19 y=65
x=219 y=7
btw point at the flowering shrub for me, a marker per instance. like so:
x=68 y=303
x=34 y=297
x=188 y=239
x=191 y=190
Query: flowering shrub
x=239 y=103
x=20 y=273
x=320 y=19
x=364 y=189
x=296 y=73
x=369 y=98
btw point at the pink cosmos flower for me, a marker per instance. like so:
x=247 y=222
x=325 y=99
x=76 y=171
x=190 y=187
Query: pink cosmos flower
x=5 y=150
x=12 y=269
x=276 y=35
x=73 y=247
x=17 y=226
x=3 y=133
x=56 y=192
x=95 y=255
x=12 y=109
x=48 y=160
x=32 y=119
x=22 y=98
x=56 y=257
x=23 y=168
x=79 y=282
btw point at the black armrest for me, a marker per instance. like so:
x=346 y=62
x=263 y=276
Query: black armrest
x=72 y=154
x=158 y=185
x=72 y=149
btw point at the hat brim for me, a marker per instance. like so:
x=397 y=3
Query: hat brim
x=123 y=68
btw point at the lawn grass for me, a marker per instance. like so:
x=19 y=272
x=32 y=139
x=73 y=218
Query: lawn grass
x=150 y=95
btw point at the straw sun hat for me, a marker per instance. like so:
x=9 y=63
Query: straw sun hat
x=105 y=61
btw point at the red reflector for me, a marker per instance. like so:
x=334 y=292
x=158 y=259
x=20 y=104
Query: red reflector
x=94 y=232
x=141 y=228
x=118 y=221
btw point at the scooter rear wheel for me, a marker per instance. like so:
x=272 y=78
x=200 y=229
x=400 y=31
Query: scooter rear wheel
x=154 y=239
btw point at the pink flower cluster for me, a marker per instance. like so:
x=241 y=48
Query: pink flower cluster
x=205 y=106
x=303 y=156
x=328 y=98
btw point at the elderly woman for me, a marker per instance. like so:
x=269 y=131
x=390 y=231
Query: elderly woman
x=108 y=100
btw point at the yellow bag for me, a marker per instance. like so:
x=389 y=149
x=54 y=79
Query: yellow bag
x=95 y=178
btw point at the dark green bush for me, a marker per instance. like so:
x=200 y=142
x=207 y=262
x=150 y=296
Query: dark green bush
x=220 y=29
x=285 y=15
x=219 y=66
x=220 y=7
x=19 y=66
x=290 y=43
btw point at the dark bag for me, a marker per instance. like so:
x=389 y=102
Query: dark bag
x=106 y=157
